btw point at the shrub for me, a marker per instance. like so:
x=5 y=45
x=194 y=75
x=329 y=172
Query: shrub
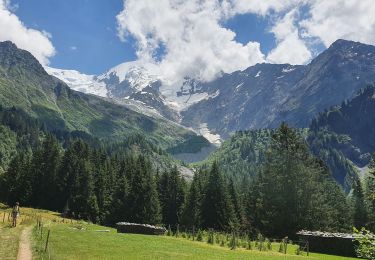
x=169 y=232
x=233 y=241
x=200 y=235
x=268 y=244
x=366 y=244
x=210 y=239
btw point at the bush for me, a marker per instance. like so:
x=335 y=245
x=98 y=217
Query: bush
x=169 y=232
x=233 y=241
x=366 y=243
x=268 y=244
x=200 y=235
x=210 y=239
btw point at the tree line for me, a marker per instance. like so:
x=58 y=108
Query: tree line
x=293 y=190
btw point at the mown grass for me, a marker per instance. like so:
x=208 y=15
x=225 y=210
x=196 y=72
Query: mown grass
x=81 y=240
x=85 y=241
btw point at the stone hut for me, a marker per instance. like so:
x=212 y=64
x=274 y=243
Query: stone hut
x=342 y=244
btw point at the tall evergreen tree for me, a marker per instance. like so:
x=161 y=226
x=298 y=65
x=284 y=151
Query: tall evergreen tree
x=44 y=167
x=358 y=204
x=144 y=204
x=288 y=193
x=216 y=209
x=172 y=196
x=370 y=194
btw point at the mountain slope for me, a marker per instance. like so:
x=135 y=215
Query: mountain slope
x=341 y=136
x=348 y=128
x=24 y=83
x=266 y=94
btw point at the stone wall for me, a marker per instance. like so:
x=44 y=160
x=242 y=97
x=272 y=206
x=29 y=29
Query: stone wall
x=126 y=227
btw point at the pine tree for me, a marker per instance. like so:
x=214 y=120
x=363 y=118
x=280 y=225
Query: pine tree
x=290 y=192
x=370 y=193
x=144 y=204
x=358 y=204
x=216 y=209
x=44 y=167
x=237 y=204
x=172 y=196
x=191 y=213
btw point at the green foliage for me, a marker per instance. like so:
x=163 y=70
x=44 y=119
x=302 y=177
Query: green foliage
x=233 y=241
x=210 y=238
x=290 y=192
x=171 y=189
x=217 y=211
x=200 y=235
x=366 y=243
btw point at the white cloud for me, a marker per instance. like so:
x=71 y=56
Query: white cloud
x=345 y=19
x=260 y=7
x=73 y=48
x=290 y=48
x=12 y=29
x=195 y=42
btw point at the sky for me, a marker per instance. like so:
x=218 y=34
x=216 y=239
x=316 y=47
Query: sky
x=185 y=38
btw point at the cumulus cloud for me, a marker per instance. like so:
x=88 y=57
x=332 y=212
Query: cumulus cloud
x=12 y=29
x=291 y=48
x=191 y=35
x=345 y=19
x=193 y=41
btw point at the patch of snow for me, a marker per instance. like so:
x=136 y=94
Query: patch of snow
x=79 y=81
x=239 y=85
x=214 y=95
x=213 y=138
x=287 y=70
x=258 y=74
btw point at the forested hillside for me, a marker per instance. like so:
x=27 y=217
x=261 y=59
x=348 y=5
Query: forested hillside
x=341 y=136
x=347 y=129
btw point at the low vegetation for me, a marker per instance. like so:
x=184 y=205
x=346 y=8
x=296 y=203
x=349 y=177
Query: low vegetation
x=72 y=239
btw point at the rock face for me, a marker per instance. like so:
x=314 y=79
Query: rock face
x=265 y=95
x=145 y=229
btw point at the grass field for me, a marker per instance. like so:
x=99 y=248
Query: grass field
x=80 y=240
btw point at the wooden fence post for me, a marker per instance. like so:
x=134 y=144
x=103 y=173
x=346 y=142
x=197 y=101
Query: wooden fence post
x=286 y=245
x=307 y=245
x=193 y=233
x=45 y=249
x=4 y=217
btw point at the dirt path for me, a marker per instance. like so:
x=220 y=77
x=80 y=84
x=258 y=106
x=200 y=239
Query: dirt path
x=24 y=251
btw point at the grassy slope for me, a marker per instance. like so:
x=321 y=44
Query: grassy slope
x=79 y=240
x=25 y=84
x=68 y=243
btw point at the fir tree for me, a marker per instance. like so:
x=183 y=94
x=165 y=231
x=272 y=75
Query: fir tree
x=216 y=209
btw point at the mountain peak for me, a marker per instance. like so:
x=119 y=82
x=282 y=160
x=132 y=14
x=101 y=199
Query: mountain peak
x=12 y=57
x=347 y=44
x=7 y=44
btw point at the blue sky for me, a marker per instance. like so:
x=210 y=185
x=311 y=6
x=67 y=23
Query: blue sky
x=85 y=37
x=83 y=32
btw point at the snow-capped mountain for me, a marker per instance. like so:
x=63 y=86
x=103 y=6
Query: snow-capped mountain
x=139 y=82
x=261 y=96
x=79 y=81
